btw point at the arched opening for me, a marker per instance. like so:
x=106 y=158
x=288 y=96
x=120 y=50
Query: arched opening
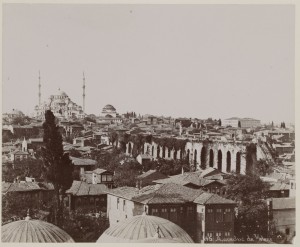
x=152 y=151
x=238 y=163
x=211 y=158
x=163 y=152
x=195 y=158
x=203 y=158
x=158 y=152
x=228 y=162
x=129 y=148
x=220 y=160
x=169 y=152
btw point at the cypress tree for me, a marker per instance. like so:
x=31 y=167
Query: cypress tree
x=57 y=166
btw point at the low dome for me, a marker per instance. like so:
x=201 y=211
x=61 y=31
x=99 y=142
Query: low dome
x=145 y=228
x=109 y=108
x=33 y=231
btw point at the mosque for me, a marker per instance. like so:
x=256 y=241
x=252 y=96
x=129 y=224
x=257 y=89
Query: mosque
x=61 y=106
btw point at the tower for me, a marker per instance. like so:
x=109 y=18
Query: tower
x=39 y=88
x=83 y=94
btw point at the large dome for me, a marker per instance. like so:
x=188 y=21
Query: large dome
x=109 y=108
x=145 y=228
x=33 y=231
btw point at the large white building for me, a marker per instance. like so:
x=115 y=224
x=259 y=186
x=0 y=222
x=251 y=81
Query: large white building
x=61 y=106
x=241 y=122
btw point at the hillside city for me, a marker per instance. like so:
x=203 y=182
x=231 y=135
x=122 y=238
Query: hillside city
x=128 y=177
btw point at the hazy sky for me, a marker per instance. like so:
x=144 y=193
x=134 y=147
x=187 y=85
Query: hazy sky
x=181 y=60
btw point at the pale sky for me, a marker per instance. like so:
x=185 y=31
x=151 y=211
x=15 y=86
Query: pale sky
x=175 y=60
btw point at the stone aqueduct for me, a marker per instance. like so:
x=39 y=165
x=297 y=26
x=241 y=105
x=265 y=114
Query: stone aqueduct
x=225 y=156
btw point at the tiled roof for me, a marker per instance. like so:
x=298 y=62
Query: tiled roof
x=25 y=186
x=82 y=162
x=80 y=188
x=146 y=174
x=209 y=198
x=168 y=194
x=124 y=192
x=196 y=178
x=284 y=203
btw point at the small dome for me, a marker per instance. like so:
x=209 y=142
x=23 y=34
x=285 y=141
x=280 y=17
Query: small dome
x=33 y=231
x=145 y=228
x=109 y=108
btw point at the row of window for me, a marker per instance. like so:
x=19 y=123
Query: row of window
x=220 y=215
x=91 y=200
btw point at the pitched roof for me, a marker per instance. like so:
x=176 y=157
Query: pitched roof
x=284 y=203
x=25 y=186
x=82 y=162
x=80 y=188
x=146 y=174
x=209 y=198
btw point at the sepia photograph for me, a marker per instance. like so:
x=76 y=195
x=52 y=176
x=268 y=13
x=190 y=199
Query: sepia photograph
x=148 y=123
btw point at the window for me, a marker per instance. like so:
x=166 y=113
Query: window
x=109 y=178
x=92 y=200
x=173 y=214
x=164 y=213
x=154 y=211
x=103 y=178
x=124 y=203
x=287 y=231
x=219 y=215
x=190 y=211
x=210 y=215
x=227 y=234
x=227 y=215
x=118 y=201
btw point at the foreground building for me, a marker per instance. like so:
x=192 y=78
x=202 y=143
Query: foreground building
x=33 y=231
x=154 y=230
x=204 y=216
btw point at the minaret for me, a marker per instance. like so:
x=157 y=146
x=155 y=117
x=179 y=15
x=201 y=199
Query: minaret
x=39 y=88
x=83 y=94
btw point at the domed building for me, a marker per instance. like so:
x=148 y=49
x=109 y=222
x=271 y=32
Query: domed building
x=109 y=114
x=61 y=106
x=13 y=114
x=33 y=231
x=109 y=111
x=145 y=229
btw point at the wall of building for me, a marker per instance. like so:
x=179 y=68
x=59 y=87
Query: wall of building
x=285 y=219
x=117 y=210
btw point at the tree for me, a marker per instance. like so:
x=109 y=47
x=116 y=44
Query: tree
x=57 y=166
x=252 y=217
x=239 y=124
x=263 y=167
x=220 y=122
x=24 y=168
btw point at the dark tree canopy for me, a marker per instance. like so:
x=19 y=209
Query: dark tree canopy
x=249 y=192
x=57 y=166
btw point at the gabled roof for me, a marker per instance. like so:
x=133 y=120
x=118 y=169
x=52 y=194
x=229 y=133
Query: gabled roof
x=80 y=188
x=82 y=162
x=209 y=198
x=25 y=186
